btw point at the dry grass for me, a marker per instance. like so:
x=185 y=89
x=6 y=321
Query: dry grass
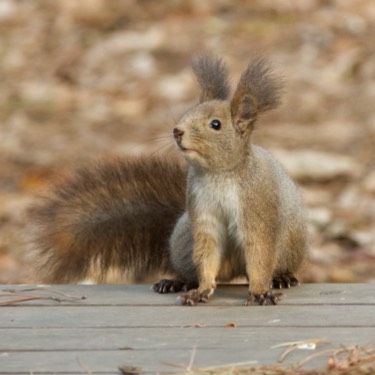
x=352 y=360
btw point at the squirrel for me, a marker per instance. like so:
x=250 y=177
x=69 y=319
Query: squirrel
x=233 y=213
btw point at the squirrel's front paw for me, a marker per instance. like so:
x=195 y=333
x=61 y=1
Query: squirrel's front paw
x=194 y=296
x=267 y=298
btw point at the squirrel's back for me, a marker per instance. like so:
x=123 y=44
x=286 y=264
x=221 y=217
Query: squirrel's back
x=109 y=222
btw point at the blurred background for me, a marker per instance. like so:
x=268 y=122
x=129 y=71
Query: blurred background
x=84 y=79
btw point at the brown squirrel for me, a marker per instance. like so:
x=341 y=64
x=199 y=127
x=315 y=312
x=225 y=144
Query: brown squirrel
x=242 y=216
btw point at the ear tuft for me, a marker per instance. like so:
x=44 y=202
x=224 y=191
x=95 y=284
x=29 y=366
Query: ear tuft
x=212 y=76
x=258 y=90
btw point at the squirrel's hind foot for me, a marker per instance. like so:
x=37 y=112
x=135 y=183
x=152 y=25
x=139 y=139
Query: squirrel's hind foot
x=172 y=286
x=285 y=280
x=194 y=296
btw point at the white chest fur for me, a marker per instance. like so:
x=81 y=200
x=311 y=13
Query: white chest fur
x=216 y=203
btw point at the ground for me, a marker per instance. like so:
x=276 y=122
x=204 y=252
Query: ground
x=81 y=80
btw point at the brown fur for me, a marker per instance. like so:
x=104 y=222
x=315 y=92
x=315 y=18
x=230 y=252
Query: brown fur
x=212 y=76
x=109 y=222
x=258 y=91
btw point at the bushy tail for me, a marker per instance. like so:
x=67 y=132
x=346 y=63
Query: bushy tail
x=109 y=222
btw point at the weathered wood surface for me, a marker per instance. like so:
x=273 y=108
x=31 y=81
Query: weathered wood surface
x=130 y=325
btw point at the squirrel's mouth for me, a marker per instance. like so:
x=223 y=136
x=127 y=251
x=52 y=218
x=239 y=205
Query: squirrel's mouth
x=185 y=150
x=180 y=146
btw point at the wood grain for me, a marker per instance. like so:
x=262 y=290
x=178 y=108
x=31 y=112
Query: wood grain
x=129 y=324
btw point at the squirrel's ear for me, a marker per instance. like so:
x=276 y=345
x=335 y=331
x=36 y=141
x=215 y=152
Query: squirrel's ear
x=258 y=90
x=212 y=76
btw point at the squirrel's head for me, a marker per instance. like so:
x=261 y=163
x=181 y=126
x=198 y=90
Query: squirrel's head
x=215 y=134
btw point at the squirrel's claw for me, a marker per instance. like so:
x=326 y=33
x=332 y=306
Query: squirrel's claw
x=190 y=298
x=286 y=280
x=172 y=286
x=193 y=297
x=267 y=298
x=168 y=286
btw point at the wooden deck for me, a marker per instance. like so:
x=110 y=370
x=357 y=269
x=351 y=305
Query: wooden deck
x=117 y=325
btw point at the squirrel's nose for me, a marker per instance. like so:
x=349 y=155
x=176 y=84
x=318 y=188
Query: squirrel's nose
x=178 y=133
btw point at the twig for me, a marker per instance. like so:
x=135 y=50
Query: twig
x=171 y=364
x=313 y=356
x=314 y=341
x=195 y=325
x=84 y=367
x=229 y=365
x=189 y=367
x=192 y=358
x=25 y=297
x=355 y=355
x=291 y=346
x=66 y=296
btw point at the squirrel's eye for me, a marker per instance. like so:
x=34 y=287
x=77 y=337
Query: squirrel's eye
x=215 y=124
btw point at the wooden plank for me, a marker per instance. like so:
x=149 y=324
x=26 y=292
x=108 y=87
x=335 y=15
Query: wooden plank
x=127 y=295
x=131 y=325
x=151 y=361
x=178 y=316
x=80 y=339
